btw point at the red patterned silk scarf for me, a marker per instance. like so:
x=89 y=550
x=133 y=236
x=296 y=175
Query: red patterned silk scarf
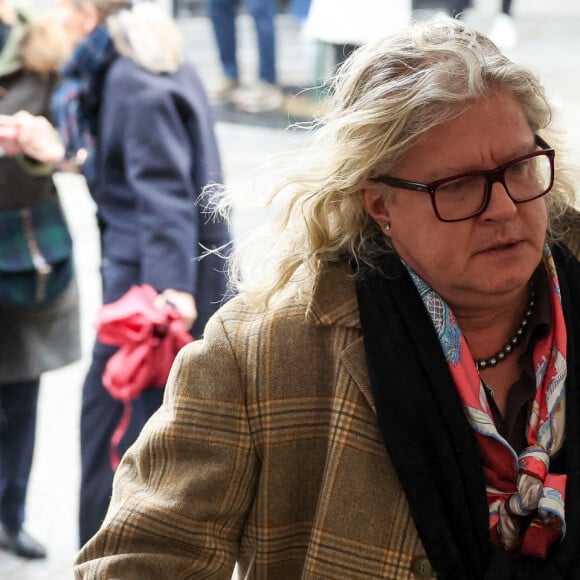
x=526 y=501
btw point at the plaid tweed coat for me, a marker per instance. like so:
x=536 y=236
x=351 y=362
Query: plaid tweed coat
x=266 y=451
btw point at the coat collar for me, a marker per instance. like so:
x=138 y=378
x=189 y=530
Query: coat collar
x=334 y=300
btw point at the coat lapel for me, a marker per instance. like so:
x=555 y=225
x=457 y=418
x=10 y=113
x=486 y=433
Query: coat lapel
x=334 y=303
x=353 y=358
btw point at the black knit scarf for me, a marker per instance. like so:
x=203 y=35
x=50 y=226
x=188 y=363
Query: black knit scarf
x=431 y=444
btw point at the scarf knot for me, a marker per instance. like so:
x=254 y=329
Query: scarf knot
x=531 y=496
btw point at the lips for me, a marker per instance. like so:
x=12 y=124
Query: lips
x=500 y=245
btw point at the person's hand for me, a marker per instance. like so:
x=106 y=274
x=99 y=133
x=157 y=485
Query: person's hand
x=34 y=136
x=183 y=302
x=9 y=142
x=38 y=138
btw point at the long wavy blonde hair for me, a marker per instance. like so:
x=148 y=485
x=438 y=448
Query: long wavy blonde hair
x=386 y=95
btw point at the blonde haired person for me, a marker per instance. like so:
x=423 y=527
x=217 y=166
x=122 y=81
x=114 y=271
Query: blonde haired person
x=134 y=117
x=398 y=397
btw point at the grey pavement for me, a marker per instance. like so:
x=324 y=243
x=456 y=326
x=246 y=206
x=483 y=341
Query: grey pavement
x=548 y=41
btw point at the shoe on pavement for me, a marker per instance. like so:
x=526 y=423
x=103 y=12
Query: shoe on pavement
x=21 y=544
x=503 y=31
x=259 y=98
x=222 y=91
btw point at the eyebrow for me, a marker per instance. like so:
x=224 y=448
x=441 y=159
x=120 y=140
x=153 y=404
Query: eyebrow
x=442 y=173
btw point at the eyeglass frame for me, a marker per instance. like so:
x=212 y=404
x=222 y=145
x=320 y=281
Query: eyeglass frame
x=491 y=176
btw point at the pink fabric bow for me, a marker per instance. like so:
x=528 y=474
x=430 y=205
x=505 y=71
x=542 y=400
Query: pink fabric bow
x=148 y=337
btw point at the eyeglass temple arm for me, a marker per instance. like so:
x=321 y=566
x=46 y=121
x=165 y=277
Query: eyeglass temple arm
x=402 y=184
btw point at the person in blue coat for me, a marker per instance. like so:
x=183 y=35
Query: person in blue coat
x=135 y=118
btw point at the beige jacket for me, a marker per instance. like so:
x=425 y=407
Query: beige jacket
x=267 y=451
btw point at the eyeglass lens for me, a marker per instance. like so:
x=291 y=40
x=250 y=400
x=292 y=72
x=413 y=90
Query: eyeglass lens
x=464 y=196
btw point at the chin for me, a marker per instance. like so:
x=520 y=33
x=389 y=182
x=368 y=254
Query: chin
x=510 y=273
x=508 y=282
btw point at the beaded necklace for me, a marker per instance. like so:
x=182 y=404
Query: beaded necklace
x=508 y=348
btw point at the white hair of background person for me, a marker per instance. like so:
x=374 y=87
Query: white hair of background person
x=143 y=32
x=149 y=36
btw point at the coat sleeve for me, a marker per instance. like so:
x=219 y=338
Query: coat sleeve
x=160 y=165
x=182 y=492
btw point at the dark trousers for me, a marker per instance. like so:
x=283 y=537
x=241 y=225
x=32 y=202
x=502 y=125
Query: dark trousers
x=18 y=404
x=223 y=18
x=100 y=416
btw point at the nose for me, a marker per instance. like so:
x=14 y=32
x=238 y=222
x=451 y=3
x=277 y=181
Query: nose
x=500 y=205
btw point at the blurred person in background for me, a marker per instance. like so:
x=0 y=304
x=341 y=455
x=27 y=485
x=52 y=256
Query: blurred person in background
x=264 y=94
x=134 y=116
x=503 y=29
x=398 y=395
x=42 y=333
x=348 y=24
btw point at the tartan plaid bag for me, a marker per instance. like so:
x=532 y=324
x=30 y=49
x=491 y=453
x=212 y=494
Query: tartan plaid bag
x=36 y=262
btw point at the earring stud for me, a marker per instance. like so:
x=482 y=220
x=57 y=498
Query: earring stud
x=387 y=227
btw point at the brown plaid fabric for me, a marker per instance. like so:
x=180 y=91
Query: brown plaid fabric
x=265 y=451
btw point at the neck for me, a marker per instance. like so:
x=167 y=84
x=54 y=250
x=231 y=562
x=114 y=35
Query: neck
x=488 y=330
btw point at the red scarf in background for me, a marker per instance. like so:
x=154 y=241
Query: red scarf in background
x=148 y=337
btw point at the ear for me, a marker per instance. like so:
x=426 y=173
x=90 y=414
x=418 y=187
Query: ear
x=375 y=200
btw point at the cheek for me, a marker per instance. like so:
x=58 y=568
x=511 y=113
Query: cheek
x=536 y=219
x=424 y=246
x=433 y=249
x=544 y=217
